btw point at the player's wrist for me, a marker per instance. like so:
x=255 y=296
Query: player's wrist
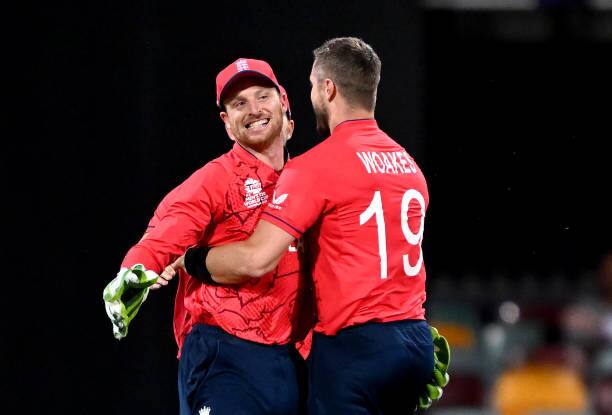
x=195 y=264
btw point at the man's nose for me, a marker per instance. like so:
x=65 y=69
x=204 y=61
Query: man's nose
x=254 y=106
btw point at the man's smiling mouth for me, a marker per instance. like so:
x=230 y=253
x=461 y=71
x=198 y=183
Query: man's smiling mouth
x=258 y=123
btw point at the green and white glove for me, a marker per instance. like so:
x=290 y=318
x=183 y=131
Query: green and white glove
x=440 y=378
x=124 y=295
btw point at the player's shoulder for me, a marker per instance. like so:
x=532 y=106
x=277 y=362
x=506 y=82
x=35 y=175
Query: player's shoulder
x=214 y=173
x=215 y=168
x=313 y=158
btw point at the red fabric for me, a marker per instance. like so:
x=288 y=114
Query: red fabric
x=327 y=192
x=222 y=203
x=242 y=67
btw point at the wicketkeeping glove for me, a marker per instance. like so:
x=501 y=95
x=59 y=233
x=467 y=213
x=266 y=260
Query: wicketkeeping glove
x=440 y=378
x=124 y=295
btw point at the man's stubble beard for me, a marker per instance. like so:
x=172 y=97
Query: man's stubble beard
x=275 y=133
x=322 y=118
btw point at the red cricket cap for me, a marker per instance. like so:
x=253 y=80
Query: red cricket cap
x=245 y=67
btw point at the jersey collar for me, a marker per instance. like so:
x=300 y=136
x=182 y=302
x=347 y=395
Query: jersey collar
x=246 y=156
x=348 y=125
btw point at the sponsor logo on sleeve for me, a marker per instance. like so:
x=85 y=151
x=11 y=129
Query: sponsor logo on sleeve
x=277 y=201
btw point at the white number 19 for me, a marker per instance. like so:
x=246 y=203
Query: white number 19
x=376 y=208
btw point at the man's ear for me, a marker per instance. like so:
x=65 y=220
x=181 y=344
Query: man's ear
x=284 y=102
x=330 y=89
x=290 y=127
x=228 y=128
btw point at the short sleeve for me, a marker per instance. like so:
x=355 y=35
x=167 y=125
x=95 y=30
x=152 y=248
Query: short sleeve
x=297 y=201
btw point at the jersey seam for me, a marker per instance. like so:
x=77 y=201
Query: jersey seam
x=283 y=221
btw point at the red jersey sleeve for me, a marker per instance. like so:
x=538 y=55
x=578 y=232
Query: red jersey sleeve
x=180 y=219
x=296 y=202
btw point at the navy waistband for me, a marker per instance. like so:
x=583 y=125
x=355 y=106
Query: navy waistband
x=389 y=324
x=387 y=333
x=219 y=333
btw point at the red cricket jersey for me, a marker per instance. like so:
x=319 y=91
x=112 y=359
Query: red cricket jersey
x=361 y=199
x=221 y=203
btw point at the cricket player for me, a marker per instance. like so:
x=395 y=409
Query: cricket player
x=235 y=342
x=359 y=200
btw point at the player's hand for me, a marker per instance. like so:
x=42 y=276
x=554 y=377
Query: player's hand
x=440 y=377
x=124 y=295
x=169 y=272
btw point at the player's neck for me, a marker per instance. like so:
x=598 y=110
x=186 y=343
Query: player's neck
x=273 y=155
x=346 y=113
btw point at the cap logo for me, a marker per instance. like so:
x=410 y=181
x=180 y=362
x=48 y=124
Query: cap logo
x=242 y=65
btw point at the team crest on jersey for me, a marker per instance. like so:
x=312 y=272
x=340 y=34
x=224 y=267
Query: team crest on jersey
x=204 y=411
x=253 y=194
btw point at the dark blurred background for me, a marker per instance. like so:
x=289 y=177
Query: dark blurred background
x=504 y=104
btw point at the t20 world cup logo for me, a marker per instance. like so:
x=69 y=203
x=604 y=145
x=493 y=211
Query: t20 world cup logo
x=253 y=194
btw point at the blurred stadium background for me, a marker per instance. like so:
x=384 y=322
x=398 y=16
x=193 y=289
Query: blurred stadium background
x=505 y=104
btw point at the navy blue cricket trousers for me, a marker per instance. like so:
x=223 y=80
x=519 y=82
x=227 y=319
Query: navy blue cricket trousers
x=220 y=374
x=373 y=368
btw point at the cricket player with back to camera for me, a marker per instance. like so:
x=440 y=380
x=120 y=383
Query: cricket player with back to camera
x=359 y=200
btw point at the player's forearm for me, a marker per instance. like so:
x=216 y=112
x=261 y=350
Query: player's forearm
x=236 y=262
x=169 y=239
x=253 y=257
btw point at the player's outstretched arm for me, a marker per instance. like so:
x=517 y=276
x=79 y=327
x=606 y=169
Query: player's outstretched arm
x=254 y=257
